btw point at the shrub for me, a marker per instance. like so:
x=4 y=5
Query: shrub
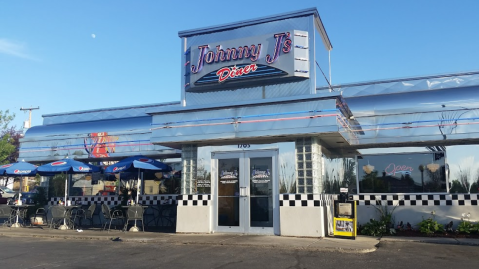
x=430 y=226
x=383 y=226
x=465 y=227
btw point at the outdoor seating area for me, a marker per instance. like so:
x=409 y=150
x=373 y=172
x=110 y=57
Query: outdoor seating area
x=73 y=213
x=101 y=217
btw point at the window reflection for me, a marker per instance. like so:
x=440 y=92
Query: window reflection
x=339 y=173
x=402 y=173
x=463 y=168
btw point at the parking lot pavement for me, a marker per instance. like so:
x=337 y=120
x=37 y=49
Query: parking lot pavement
x=25 y=252
x=360 y=245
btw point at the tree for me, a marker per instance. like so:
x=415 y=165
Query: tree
x=15 y=136
x=6 y=145
x=457 y=187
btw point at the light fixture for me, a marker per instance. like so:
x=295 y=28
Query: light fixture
x=432 y=167
x=368 y=168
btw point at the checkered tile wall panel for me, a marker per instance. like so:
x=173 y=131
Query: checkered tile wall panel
x=115 y=200
x=194 y=200
x=419 y=199
x=306 y=200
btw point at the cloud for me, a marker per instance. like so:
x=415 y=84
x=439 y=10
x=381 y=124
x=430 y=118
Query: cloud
x=14 y=49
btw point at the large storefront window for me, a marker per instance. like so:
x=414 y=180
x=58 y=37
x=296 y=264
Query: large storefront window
x=82 y=185
x=402 y=173
x=161 y=183
x=92 y=184
x=98 y=184
x=463 y=168
x=339 y=173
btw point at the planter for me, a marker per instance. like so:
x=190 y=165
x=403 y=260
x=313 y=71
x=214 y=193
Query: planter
x=414 y=233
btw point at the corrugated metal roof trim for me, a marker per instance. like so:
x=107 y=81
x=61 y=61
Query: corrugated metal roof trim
x=116 y=125
x=406 y=79
x=113 y=108
x=293 y=14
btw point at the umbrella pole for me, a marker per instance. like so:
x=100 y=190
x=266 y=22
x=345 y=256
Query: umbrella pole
x=65 y=226
x=118 y=190
x=135 y=228
x=20 y=191
x=138 y=187
x=66 y=190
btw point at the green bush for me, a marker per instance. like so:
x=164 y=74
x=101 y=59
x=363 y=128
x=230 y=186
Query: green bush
x=465 y=227
x=430 y=226
x=383 y=226
x=375 y=228
x=475 y=228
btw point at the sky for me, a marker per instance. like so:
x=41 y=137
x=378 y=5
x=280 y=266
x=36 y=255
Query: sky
x=65 y=56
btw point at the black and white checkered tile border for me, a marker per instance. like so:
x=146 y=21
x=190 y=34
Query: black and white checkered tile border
x=418 y=199
x=109 y=200
x=306 y=200
x=194 y=200
x=158 y=199
x=114 y=200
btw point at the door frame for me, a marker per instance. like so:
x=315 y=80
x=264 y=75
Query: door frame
x=244 y=157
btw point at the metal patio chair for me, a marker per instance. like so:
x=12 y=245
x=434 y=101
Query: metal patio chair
x=7 y=213
x=90 y=213
x=111 y=215
x=135 y=213
x=59 y=214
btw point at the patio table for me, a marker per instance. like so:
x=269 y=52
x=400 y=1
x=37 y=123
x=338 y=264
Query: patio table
x=69 y=209
x=18 y=209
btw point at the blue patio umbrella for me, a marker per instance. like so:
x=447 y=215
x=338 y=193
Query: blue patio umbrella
x=18 y=169
x=22 y=169
x=66 y=166
x=132 y=164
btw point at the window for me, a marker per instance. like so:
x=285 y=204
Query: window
x=402 y=173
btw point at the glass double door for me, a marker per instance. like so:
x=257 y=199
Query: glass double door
x=245 y=191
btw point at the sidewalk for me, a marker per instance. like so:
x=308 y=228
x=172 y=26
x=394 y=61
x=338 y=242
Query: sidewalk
x=362 y=244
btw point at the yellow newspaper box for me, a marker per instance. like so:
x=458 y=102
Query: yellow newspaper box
x=345 y=224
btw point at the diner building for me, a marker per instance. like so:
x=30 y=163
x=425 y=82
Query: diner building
x=261 y=142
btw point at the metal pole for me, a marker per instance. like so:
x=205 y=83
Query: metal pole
x=30 y=114
x=138 y=187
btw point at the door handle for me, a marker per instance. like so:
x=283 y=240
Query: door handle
x=243 y=192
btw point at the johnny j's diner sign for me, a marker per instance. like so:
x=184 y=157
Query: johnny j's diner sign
x=245 y=59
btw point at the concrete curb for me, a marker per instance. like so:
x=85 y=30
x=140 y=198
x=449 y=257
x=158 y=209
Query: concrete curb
x=303 y=244
x=433 y=240
x=307 y=248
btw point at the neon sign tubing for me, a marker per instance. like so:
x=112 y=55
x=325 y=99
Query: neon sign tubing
x=100 y=143
x=249 y=116
x=411 y=122
x=421 y=126
x=250 y=121
x=79 y=147
x=345 y=124
x=249 y=75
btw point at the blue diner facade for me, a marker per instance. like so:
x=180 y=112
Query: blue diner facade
x=261 y=143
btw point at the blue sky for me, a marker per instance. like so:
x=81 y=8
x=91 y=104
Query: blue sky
x=79 y=55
